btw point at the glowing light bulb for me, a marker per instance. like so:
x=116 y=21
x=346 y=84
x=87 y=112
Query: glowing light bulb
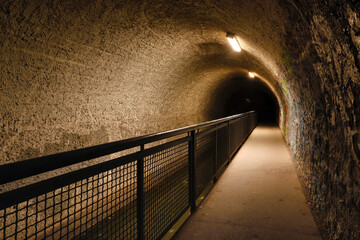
x=233 y=42
x=251 y=75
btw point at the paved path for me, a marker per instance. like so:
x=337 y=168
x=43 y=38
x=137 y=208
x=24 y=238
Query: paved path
x=257 y=197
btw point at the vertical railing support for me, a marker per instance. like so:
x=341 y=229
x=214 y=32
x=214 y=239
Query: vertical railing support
x=140 y=196
x=192 y=198
x=228 y=141
x=216 y=153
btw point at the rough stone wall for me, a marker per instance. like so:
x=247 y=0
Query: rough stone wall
x=321 y=60
x=80 y=73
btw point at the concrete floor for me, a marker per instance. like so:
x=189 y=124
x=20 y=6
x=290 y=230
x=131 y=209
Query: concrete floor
x=257 y=197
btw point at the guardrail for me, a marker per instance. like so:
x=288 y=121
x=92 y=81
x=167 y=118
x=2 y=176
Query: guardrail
x=153 y=183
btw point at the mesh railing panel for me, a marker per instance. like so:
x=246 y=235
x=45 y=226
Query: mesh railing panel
x=104 y=206
x=233 y=137
x=222 y=145
x=72 y=211
x=204 y=162
x=166 y=189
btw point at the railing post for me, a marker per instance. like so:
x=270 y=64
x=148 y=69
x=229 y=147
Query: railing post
x=229 y=142
x=140 y=196
x=216 y=153
x=192 y=198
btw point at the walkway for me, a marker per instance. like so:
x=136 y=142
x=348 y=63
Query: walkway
x=257 y=197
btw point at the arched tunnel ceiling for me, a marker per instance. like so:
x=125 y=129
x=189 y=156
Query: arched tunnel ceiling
x=80 y=73
x=150 y=60
x=133 y=46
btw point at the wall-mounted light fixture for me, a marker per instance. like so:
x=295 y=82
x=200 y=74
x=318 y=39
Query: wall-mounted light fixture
x=234 y=42
x=251 y=75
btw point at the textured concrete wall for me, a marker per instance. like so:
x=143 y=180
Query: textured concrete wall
x=80 y=73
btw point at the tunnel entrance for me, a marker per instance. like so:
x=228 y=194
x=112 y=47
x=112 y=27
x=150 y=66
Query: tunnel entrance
x=254 y=96
x=242 y=94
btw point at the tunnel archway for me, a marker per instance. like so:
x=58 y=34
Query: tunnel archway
x=253 y=95
x=239 y=94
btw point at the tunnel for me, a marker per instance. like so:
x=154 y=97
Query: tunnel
x=240 y=94
x=76 y=74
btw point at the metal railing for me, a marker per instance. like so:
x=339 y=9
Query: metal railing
x=152 y=184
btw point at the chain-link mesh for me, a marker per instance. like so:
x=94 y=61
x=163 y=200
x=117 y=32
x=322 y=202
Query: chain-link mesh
x=166 y=189
x=98 y=207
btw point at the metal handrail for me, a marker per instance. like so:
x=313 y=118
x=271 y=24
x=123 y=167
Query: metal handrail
x=31 y=167
x=225 y=135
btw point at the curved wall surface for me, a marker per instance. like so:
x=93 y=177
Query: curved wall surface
x=81 y=73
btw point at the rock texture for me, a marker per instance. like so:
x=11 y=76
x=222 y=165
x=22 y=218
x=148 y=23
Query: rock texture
x=325 y=108
x=80 y=73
